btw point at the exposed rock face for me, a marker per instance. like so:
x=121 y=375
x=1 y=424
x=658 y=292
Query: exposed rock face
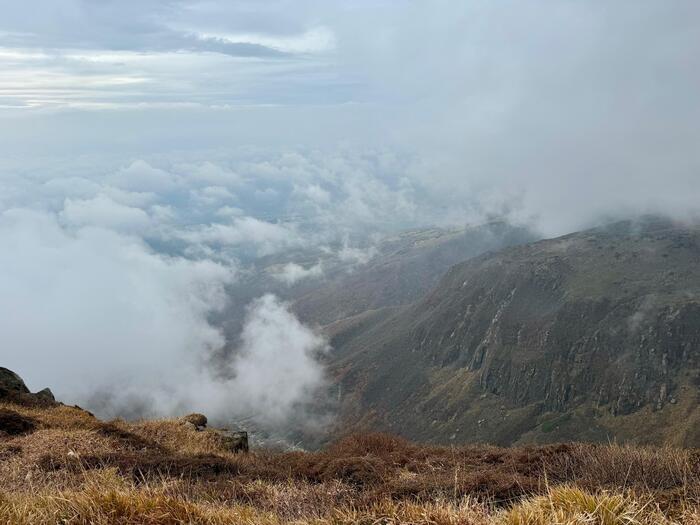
x=590 y=336
x=46 y=395
x=11 y=383
x=13 y=390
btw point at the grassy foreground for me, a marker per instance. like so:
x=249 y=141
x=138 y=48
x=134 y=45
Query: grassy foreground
x=59 y=465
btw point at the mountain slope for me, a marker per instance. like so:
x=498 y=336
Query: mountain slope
x=594 y=335
x=400 y=269
x=404 y=269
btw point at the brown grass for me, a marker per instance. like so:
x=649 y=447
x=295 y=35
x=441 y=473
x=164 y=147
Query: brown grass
x=72 y=468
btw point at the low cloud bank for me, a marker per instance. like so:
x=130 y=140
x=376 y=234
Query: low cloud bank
x=115 y=278
x=93 y=307
x=112 y=325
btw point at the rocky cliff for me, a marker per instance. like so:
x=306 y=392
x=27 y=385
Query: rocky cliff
x=592 y=336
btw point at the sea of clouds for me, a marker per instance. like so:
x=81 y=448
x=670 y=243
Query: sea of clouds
x=113 y=270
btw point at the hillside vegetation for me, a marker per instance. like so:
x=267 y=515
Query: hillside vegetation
x=59 y=464
x=594 y=336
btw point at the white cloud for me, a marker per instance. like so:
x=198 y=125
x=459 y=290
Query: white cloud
x=317 y=40
x=264 y=238
x=212 y=195
x=291 y=273
x=212 y=174
x=229 y=211
x=104 y=212
x=355 y=255
x=276 y=367
x=95 y=309
x=140 y=176
x=315 y=193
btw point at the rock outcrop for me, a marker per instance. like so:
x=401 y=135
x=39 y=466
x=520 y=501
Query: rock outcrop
x=11 y=383
x=235 y=441
x=13 y=390
x=199 y=421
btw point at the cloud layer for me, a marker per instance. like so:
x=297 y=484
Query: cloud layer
x=112 y=277
x=549 y=112
x=93 y=309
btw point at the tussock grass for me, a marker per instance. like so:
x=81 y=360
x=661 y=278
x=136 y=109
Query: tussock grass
x=105 y=498
x=654 y=468
x=71 y=468
x=568 y=505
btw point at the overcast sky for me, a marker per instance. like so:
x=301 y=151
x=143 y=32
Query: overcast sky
x=555 y=110
x=167 y=141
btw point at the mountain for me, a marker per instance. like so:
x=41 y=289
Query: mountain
x=395 y=270
x=591 y=336
x=403 y=269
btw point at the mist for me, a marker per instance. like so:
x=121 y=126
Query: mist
x=113 y=326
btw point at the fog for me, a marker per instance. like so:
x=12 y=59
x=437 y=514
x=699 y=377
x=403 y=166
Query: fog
x=153 y=153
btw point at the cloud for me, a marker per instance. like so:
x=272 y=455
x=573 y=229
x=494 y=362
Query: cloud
x=142 y=177
x=291 y=273
x=355 y=255
x=155 y=26
x=247 y=233
x=104 y=212
x=95 y=309
x=212 y=195
x=553 y=113
x=271 y=378
x=138 y=55
x=315 y=40
x=125 y=265
x=114 y=326
x=314 y=193
x=213 y=174
x=277 y=366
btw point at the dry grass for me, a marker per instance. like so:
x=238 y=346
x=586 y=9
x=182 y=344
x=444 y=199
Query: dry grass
x=72 y=468
x=567 y=505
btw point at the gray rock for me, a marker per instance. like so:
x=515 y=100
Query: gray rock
x=11 y=383
x=235 y=441
x=13 y=390
x=45 y=395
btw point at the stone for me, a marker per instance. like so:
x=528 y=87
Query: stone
x=45 y=395
x=198 y=420
x=235 y=441
x=11 y=383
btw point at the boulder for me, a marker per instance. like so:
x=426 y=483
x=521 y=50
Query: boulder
x=45 y=395
x=13 y=390
x=235 y=441
x=198 y=420
x=11 y=383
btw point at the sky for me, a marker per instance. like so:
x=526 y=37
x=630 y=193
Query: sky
x=151 y=151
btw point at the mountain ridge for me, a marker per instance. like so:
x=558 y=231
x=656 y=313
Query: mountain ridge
x=579 y=337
